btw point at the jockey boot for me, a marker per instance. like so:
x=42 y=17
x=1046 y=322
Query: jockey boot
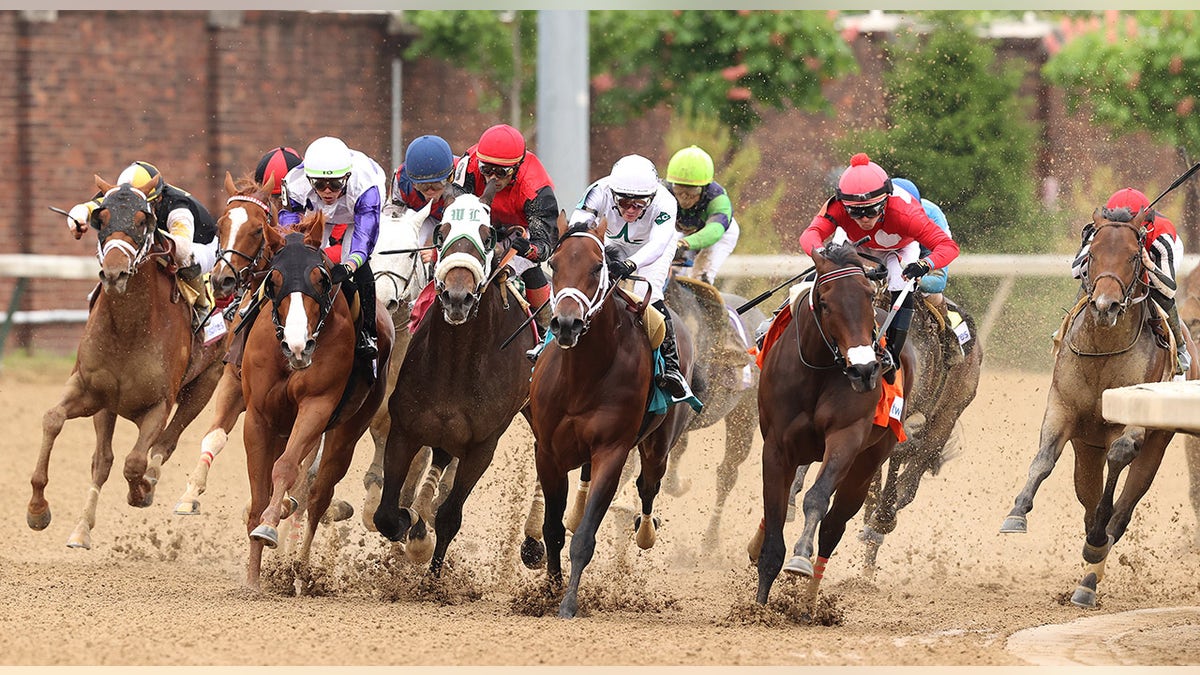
x=537 y=298
x=897 y=335
x=192 y=276
x=366 y=347
x=1183 y=359
x=671 y=380
x=949 y=339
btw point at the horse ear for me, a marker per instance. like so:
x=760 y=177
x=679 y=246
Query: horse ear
x=1097 y=215
x=562 y=223
x=1140 y=219
x=264 y=192
x=102 y=184
x=230 y=189
x=316 y=230
x=272 y=239
x=601 y=225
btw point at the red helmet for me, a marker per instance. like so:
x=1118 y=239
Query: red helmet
x=502 y=145
x=863 y=183
x=275 y=165
x=1128 y=198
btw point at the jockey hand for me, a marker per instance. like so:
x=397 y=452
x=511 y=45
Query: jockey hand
x=1148 y=261
x=79 y=215
x=683 y=245
x=525 y=249
x=341 y=272
x=611 y=253
x=428 y=255
x=915 y=270
x=621 y=268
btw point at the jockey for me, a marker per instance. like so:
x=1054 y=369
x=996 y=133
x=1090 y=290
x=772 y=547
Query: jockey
x=865 y=205
x=180 y=216
x=705 y=212
x=348 y=187
x=1163 y=252
x=523 y=204
x=934 y=284
x=424 y=177
x=640 y=215
x=274 y=166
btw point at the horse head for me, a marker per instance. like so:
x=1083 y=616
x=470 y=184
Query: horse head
x=299 y=286
x=249 y=209
x=1114 y=269
x=404 y=273
x=842 y=306
x=125 y=225
x=466 y=241
x=581 y=281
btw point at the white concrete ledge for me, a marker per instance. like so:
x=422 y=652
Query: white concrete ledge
x=1160 y=405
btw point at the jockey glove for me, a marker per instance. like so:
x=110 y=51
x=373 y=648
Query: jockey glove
x=621 y=268
x=914 y=270
x=340 y=273
x=524 y=248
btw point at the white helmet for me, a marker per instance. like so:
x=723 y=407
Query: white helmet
x=327 y=157
x=634 y=176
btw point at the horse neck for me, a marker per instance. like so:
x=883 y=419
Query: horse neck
x=147 y=294
x=813 y=346
x=1088 y=337
x=611 y=331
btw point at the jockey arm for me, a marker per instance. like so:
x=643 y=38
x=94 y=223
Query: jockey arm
x=659 y=243
x=366 y=226
x=542 y=214
x=720 y=214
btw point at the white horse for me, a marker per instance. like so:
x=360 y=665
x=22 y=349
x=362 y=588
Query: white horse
x=399 y=278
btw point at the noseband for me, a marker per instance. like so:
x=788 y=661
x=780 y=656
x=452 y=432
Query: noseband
x=590 y=305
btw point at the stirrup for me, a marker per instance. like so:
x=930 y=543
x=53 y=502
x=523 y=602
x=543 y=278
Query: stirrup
x=673 y=383
x=366 y=347
x=533 y=354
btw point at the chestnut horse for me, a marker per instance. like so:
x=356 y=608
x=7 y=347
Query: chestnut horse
x=817 y=401
x=138 y=358
x=300 y=379
x=589 y=401
x=1105 y=344
x=456 y=391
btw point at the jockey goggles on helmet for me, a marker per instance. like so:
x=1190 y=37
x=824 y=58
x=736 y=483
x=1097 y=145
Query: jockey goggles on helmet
x=497 y=170
x=336 y=184
x=626 y=202
x=866 y=210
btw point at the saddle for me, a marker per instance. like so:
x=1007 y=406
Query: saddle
x=653 y=320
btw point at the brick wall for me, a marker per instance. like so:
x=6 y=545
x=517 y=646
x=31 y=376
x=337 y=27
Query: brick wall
x=90 y=91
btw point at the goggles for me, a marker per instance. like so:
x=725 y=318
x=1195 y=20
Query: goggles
x=631 y=202
x=689 y=190
x=866 y=211
x=497 y=170
x=432 y=185
x=335 y=184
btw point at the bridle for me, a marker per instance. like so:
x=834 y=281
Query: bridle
x=1139 y=271
x=245 y=276
x=294 y=261
x=121 y=200
x=839 y=359
x=604 y=288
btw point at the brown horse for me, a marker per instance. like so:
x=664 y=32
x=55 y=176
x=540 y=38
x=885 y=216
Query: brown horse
x=817 y=402
x=456 y=391
x=300 y=379
x=589 y=401
x=137 y=359
x=241 y=265
x=1105 y=344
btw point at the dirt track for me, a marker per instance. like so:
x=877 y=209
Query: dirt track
x=950 y=589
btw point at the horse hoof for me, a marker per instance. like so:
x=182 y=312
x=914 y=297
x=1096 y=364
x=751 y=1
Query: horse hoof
x=421 y=540
x=1096 y=554
x=38 y=521
x=533 y=553
x=290 y=506
x=677 y=487
x=1085 y=593
x=81 y=537
x=190 y=508
x=1014 y=525
x=268 y=535
x=370 y=506
x=646 y=536
x=337 y=512
x=870 y=536
x=800 y=566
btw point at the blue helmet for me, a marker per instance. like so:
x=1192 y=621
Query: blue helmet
x=428 y=159
x=908 y=186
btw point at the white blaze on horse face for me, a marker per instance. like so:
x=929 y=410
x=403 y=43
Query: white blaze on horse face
x=237 y=217
x=860 y=356
x=295 y=326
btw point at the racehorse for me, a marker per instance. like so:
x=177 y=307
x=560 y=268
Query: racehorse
x=1105 y=345
x=300 y=379
x=241 y=264
x=724 y=376
x=819 y=401
x=399 y=278
x=942 y=390
x=456 y=391
x=138 y=358
x=589 y=402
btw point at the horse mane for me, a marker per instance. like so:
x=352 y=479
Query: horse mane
x=575 y=229
x=1118 y=215
x=306 y=221
x=246 y=185
x=842 y=255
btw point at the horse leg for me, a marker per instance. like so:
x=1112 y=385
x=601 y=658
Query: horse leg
x=850 y=494
x=880 y=509
x=420 y=500
x=427 y=493
x=192 y=398
x=449 y=514
x=74 y=403
x=262 y=446
x=303 y=440
x=1089 y=480
x=391 y=521
x=654 y=463
x=555 y=485
x=795 y=488
x=104 y=422
x=840 y=447
x=1143 y=460
x=606 y=467
x=579 y=502
x=673 y=484
x=1192 y=450
x=373 y=479
x=229 y=406
x=150 y=425
x=776 y=482
x=739 y=438
x=1050 y=447
x=337 y=452
x=533 y=550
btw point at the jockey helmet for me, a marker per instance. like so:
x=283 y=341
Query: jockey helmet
x=633 y=176
x=908 y=186
x=690 y=166
x=1128 y=198
x=501 y=145
x=863 y=183
x=274 y=165
x=143 y=177
x=428 y=159
x=327 y=157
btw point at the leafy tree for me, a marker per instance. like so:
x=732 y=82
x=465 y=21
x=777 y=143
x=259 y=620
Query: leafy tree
x=726 y=63
x=960 y=132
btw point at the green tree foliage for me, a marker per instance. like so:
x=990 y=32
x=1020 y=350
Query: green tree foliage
x=961 y=133
x=736 y=164
x=727 y=63
x=1145 y=82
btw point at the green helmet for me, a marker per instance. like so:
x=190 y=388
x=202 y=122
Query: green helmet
x=690 y=166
